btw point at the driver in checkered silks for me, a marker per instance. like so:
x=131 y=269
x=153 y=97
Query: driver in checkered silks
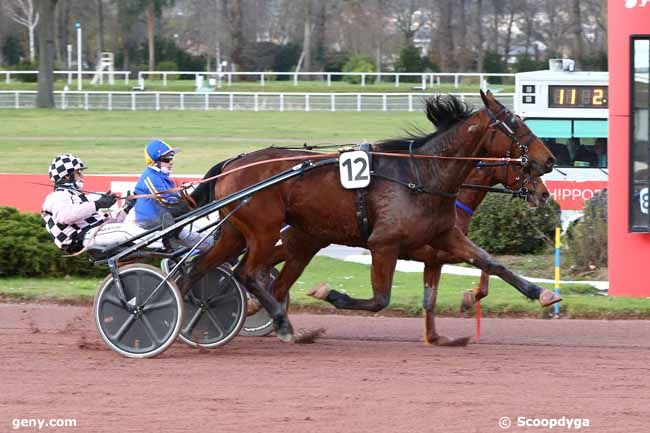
x=155 y=179
x=73 y=220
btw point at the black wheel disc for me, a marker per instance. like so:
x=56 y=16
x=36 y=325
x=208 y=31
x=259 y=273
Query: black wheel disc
x=214 y=310
x=149 y=322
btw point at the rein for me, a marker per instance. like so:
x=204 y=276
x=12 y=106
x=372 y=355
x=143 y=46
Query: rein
x=493 y=161
x=519 y=192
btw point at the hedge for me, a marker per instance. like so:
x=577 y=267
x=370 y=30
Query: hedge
x=587 y=237
x=26 y=249
x=506 y=225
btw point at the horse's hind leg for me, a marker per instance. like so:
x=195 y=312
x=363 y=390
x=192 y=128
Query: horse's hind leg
x=432 y=272
x=384 y=260
x=472 y=296
x=254 y=273
x=457 y=243
x=299 y=248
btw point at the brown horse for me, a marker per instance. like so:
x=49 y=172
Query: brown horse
x=403 y=219
x=299 y=248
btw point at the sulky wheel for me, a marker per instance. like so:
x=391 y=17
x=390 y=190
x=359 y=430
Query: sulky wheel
x=214 y=310
x=260 y=324
x=151 y=319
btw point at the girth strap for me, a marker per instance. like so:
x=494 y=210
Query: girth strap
x=362 y=215
x=362 y=201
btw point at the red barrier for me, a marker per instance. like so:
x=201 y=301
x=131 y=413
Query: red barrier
x=571 y=195
x=26 y=192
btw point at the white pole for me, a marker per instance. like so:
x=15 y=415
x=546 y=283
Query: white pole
x=69 y=46
x=78 y=26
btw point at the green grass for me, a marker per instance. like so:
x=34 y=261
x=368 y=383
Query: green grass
x=270 y=86
x=113 y=142
x=354 y=279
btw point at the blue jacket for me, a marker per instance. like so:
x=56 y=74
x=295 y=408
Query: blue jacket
x=152 y=181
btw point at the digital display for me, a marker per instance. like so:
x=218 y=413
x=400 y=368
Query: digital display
x=577 y=97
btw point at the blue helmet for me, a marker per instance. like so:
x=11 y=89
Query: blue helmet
x=156 y=149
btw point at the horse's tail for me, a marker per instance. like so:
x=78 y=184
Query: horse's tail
x=204 y=192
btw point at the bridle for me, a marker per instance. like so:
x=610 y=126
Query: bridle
x=509 y=126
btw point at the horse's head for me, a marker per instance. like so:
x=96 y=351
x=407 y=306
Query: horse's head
x=514 y=139
x=512 y=178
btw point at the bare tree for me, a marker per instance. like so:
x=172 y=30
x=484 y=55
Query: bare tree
x=446 y=48
x=527 y=23
x=497 y=11
x=45 y=97
x=479 y=35
x=100 y=25
x=576 y=31
x=556 y=26
x=305 y=56
x=23 y=12
x=508 y=37
x=463 y=55
x=406 y=20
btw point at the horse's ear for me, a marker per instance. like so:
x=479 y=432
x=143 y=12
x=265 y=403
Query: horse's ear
x=484 y=98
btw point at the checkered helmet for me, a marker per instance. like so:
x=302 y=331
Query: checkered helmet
x=65 y=165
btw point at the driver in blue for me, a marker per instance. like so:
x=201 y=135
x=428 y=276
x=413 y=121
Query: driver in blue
x=155 y=179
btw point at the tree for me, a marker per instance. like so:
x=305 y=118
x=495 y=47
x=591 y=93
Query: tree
x=305 y=57
x=23 y=12
x=100 y=19
x=576 y=31
x=45 y=97
x=479 y=35
x=446 y=39
x=407 y=21
x=153 y=9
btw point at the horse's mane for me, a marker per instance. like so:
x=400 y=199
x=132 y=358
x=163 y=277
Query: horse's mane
x=204 y=192
x=443 y=111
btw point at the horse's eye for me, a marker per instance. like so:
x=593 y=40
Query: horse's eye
x=512 y=122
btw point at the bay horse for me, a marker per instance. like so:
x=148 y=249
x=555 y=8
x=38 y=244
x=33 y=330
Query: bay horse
x=299 y=248
x=402 y=220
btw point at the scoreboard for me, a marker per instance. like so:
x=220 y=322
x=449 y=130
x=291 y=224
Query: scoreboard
x=577 y=96
x=562 y=95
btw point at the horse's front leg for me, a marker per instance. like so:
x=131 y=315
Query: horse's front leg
x=457 y=243
x=432 y=271
x=474 y=295
x=384 y=260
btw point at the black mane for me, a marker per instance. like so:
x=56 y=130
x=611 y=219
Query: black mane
x=443 y=111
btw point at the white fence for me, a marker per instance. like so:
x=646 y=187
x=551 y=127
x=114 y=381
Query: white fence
x=70 y=74
x=424 y=80
x=235 y=101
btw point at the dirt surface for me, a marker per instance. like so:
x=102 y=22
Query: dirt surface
x=367 y=374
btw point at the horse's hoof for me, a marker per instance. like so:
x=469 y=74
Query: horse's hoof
x=320 y=291
x=547 y=298
x=469 y=299
x=284 y=330
x=253 y=306
x=457 y=342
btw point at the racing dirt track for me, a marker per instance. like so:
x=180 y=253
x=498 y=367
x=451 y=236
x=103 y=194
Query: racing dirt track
x=367 y=374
